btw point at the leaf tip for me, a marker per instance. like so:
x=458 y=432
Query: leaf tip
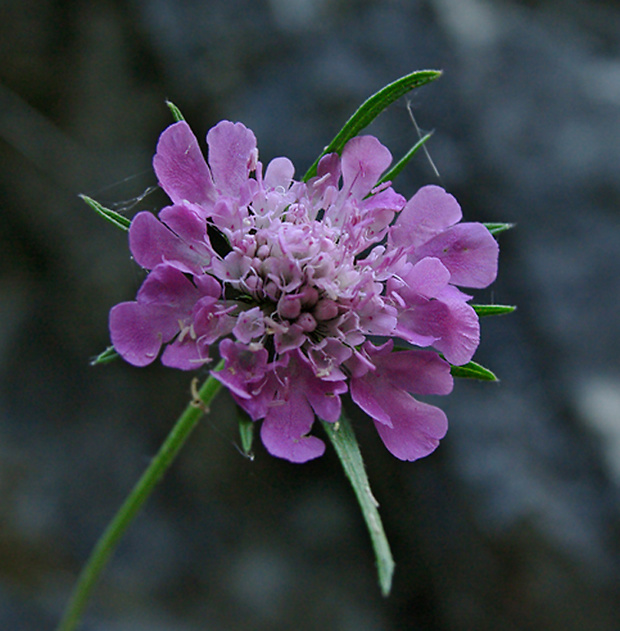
x=105 y=357
x=175 y=111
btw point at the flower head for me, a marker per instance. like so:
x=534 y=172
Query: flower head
x=297 y=284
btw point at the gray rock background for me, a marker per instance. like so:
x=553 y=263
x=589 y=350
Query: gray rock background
x=513 y=523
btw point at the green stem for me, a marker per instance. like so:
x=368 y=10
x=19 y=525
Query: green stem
x=343 y=439
x=134 y=502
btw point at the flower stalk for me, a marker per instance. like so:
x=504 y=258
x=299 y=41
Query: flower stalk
x=141 y=492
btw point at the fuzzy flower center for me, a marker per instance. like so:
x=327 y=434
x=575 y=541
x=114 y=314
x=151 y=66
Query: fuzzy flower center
x=294 y=286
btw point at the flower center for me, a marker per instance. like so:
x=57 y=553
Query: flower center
x=298 y=286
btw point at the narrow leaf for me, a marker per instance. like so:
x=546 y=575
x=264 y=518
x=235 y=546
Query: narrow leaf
x=390 y=174
x=488 y=310
x=472 y=370
x=371 y=108
x=496 y=228
x=345 y=444
x=176 y=112
x=120 y=221
x=246 y=433
x=105 y=357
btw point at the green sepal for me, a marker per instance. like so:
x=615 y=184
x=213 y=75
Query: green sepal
x=489 y=310
x=473 y=370
x=496 y=228
x=345 y=444
x=390 y=174
x=246 y=433
x=107 y=356
x=371 y=108
x=120 y=221
x=176 y=112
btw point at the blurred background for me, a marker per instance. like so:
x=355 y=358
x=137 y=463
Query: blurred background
x=513 y=523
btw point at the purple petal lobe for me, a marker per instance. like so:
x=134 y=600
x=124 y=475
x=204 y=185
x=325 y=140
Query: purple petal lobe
x=468 y=250
x=138 y=331
x=426 y=278
x=232 y=154
x=152 y=243
x=208 y=286
x=284 y=430
x=430 y=211
x=422 y=372
x=149 y=239
x=168 y=287
x=416 y=428
x=250 y=324
x=185 y=222
x=364 y=159
x=185 y=354
x=280 y=172
x=290 y=415
x=181 y=168
x=243 y=368
x=410 y=429
x=424 y=323
x=460 y=330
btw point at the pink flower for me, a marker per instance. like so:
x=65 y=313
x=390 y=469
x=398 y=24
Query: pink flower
x=294 y=281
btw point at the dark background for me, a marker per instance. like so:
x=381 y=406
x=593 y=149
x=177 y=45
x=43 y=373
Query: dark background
x=514 y=522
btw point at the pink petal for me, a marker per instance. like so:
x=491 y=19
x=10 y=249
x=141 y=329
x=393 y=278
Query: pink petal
x=289 y=338
x=323 y=397
x=290 y=415
x=460 y=331
x=378 y=211
x=232 y=155
x=468 y=250
x=181 y=167
x=190 y=227
x=363 y=161
x=208 y=286
x=416 y=428
x=421 y=372
x=138 y=331
x=426 y=278
x=185 y=354
x=152 y=243
x=280 y=172
x=260 y=394
x=250 y=324
x=168 y=287
x=410 y=429
x=365 y=396
x=328 y=173
x=285 y=428
x=430 y=211
x=423 y=323
x=243 y=367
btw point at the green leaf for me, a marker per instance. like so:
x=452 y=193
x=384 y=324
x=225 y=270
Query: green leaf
x=488 y=310
x=109 y=355
x=371 y=108
x=343 y=439
x=496 y=228
x=120 y=221
x=246 y=433
x=176 y=112
x=390 y=174
x=472 y=370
